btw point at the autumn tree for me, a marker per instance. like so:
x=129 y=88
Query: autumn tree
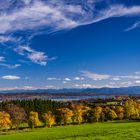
x=88 y=116
x=120 y=112
x=5 y=121
x=33 y=120
x=97 y=113
x=112 y=114
x=131 y=110
x=49 y=119
x=138 y=107
x=79 y=111
x=17 y=114
x=66 y=115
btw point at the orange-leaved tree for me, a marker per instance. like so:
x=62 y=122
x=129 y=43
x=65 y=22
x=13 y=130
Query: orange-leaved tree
x=5 y=121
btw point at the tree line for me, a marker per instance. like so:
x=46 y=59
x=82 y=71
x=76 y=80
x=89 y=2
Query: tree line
x=47 y=113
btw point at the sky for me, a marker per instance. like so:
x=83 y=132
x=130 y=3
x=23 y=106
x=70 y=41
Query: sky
x=69 y=44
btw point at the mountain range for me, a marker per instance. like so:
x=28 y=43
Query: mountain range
x=104 y=90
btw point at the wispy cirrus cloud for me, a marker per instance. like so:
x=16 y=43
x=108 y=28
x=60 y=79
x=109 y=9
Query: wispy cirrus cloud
x=134 y=26
x=60 y=15
x=33 y=55
x=4 y=64
x=33 y=17
x=4 y=39
x=10 y=66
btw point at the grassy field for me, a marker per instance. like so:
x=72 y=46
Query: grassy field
x=95 y=131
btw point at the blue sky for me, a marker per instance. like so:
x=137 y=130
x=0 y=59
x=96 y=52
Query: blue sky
x=69 y=44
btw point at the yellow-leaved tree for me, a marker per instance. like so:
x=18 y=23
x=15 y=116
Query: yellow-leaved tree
x=131 y=110
x=49 y=119
x=33 y=119
x=5 y=121
x=112 y=114
x=98 y=111
x=120 y=112
x=79 y=111
x=66 y=115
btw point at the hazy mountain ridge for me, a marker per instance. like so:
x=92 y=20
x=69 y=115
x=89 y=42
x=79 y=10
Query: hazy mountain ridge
x=104 y=90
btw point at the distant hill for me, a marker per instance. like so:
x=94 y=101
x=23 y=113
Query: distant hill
x=104 y=90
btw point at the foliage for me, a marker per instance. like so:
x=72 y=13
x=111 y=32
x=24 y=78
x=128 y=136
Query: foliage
x=120 y=112
x=5 y=121
x=97 y=113
x=112 y=115
x=33 y=119
x=49 y=119
x=131 y=111
x=17 y=114
x=79 y=111
x=66 y=115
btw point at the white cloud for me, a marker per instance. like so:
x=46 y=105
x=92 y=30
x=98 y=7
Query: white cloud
x=19 y=88
x=10 y=66
x=59 y=15
x=137 y=82
x=64 y=82
x=53 y=78
x=85 y=86
x=78 y=78
x=4 y=39
x=38 y=57
x=134 y=26
x=95 y=76
x=2 y=58
x=137 y=72
x=116 y=78
x=34 y=56
x=50 y=87
x=27 y=87
x=35 y=16
x=112 y=83
x=67 y=79
x=10 y=77
x=128 y=83
x=128 y=77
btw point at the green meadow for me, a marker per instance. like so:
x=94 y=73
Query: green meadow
x=95 y=131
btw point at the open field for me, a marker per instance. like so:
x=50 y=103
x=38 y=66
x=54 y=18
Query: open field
x=95 y=131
